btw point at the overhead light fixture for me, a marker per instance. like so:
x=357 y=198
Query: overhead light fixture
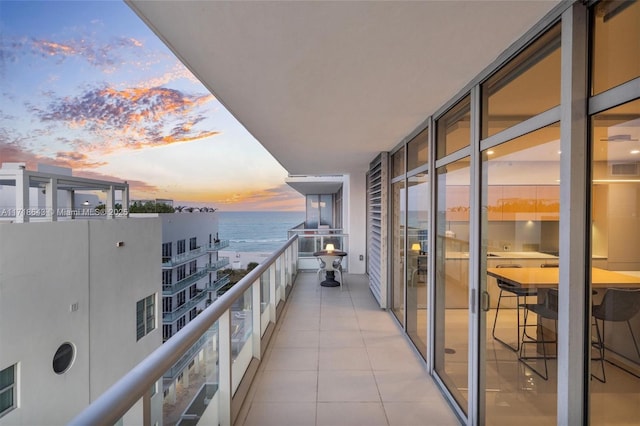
x=619 y=138
x=635 y=151
x=86 y=203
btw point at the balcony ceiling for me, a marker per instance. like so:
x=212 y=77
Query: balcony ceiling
x=326 y=86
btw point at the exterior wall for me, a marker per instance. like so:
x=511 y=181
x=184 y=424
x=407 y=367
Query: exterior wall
x=357 y=223
x=177 y=226
x=48 y=268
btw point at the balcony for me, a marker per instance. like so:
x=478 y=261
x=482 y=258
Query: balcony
x=278 y=347
x=169 y=289
x=179 y=259
x=184 y=308
x=313 y=240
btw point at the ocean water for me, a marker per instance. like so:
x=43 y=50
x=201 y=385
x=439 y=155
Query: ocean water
x=256 y=231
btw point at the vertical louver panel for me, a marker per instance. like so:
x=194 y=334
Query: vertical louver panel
x=377 y=184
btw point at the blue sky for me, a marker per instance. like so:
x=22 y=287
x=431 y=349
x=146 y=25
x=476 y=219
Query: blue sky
x=87 y=85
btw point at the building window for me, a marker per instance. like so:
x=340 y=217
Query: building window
x=181 y=272
x=453 y=131
x=181 y=246
x=193 y=267
x=193 y=290
x=166 y=332
x=167 y=304
x=181 y=298
x=181 y=322
x=167 y=277
x=145 y=316
x=7 y=390
x=615 y=44
x=166 y=252
x=418 y=150
x=63 y=358
x=533 y=74
x=192 y=243
x=192 y=314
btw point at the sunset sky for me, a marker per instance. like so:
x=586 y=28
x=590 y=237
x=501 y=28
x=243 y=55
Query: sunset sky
x=87 y=85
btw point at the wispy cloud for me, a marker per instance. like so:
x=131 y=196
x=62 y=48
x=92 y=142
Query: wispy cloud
x=12 y=153
x=103 y=55
x=132 y=118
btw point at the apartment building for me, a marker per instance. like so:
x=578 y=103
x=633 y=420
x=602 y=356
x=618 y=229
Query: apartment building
x=190 y=280
x=79 y=298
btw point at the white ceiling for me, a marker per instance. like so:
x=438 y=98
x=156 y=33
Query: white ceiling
x=326 y=86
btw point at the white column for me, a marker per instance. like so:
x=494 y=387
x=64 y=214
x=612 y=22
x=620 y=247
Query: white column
x=109 y=204
x=51 y=204
x=22 y=196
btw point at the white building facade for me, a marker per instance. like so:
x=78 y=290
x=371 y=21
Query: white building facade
x=190 y=280
x=78 y=309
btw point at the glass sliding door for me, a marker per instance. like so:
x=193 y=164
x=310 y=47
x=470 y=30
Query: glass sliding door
x=399 y=215
x=451 y=325
x=614 y=324
x=398 y=222
x=520 y=235
x=452 y=279
x=417 y=256
x=615 y=277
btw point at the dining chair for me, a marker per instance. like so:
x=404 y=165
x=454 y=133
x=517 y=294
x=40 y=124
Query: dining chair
x=508 y=290
x=330 y=263
x=547 y=308
x=617 y=305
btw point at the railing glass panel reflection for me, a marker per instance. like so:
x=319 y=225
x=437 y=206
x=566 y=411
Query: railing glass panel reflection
x=313 y=240
x=224 y=340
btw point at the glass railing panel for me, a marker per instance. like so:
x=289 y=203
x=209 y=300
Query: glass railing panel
x=241 y=333
x=264 y=293
x=190 y=386
x=192 y=377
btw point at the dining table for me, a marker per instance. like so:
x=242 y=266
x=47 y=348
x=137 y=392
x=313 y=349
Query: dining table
x=542 y=278
x=328 y=257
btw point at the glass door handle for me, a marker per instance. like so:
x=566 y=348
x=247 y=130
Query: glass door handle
x=486 y=301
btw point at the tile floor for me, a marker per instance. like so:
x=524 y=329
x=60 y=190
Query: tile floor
x=337 y=359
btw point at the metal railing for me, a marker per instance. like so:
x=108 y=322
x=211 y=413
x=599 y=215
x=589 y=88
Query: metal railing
x=169 y=289
x=179 y=259
x=313 y=240
x=130 y=399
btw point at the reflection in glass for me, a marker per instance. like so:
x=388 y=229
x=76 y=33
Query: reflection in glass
x=418 y=150
x=533 y=75
x=452 y=279
x=520 y=229
x=398 y=207
x=417 y=255
x=615 y=246
x=453 y=130
x=616 y=44
x=397 y=163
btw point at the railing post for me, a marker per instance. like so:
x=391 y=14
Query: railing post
x=273 y=303
x=224 y=368
x=256 y=312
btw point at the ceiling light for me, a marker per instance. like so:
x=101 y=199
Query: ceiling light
x=635 y=151
x=619 y=138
